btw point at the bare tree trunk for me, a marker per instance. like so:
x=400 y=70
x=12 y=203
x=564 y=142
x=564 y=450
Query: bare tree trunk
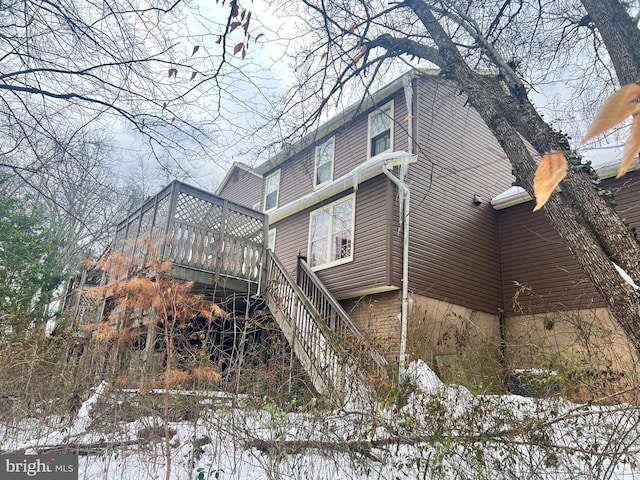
x=588 y=229
x=168 y=338
x=489 y=98
x=148 y=352
x=620 y=35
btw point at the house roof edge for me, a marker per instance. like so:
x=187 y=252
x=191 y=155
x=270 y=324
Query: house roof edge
x=230 y=171
x=605 y=160
x=344 y=117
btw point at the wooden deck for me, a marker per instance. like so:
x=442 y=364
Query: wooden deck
x=221 y=247
x=213 y=242
x=217 y=244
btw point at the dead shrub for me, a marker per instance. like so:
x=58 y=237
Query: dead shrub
x=205 y=374
x=174 y=378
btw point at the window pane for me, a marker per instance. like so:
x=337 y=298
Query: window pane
x=381 y=143
x=272 y=184
x=323 y=174
x=342 y=213
x=270 y=201
x=325 y=152
x=340 y=245
x=341 y=230
x=319 y=233
x=324 y=160
x=331 y=232
x=318 y=253
x=380 y=121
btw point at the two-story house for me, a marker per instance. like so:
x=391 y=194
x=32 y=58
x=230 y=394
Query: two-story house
x=391 y=204
x=400 y=181
x=395 y=219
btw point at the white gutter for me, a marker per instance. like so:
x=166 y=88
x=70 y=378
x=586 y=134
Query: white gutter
x=369 y=169
x=513 y=196
x=604 y=160
x=405 y=273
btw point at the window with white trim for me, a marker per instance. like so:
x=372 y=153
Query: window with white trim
x=323 y=172
x=271 y=191
x=381 y=130
x=331 y=233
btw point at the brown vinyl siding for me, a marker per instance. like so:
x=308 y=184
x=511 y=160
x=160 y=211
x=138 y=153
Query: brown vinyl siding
x=534 y=255
x=626 y=194
x=396 y=237
x=376 y=224
x=454 y=245
x=296 y=177
x=369 y=266
x=244 y=188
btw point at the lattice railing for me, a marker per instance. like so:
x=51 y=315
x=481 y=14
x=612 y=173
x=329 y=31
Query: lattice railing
x=195 y=229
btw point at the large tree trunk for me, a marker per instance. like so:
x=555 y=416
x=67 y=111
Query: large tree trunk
x=612 y=234
x=620 y=35
x=594 y=210
x=589 y=227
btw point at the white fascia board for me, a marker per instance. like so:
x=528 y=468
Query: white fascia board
x=605 y=161
x=363 y=172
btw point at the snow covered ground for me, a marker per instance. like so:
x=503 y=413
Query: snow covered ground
x=432 y=432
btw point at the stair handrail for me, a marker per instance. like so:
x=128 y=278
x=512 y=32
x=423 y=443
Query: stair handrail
x=304 y=271
x=330 y=374
x=302 y=296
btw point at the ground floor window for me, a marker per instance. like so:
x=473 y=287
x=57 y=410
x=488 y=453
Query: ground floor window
x=331 y=233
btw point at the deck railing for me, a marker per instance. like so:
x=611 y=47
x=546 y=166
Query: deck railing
x=195 y=229
x=333 y=315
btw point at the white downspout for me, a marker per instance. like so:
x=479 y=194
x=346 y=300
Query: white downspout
x=404 y=198
x=405 y=272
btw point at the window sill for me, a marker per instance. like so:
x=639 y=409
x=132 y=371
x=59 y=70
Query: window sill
x=334 y=263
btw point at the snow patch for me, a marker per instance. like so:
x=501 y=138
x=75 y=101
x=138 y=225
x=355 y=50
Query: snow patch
x=83 y=419
x=421 y=375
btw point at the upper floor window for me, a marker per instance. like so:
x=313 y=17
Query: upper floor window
x=324 y=163
x=381 y=130
x=331 y=233
x=271 y=191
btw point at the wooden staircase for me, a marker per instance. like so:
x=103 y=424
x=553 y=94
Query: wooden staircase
x=328 y=344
